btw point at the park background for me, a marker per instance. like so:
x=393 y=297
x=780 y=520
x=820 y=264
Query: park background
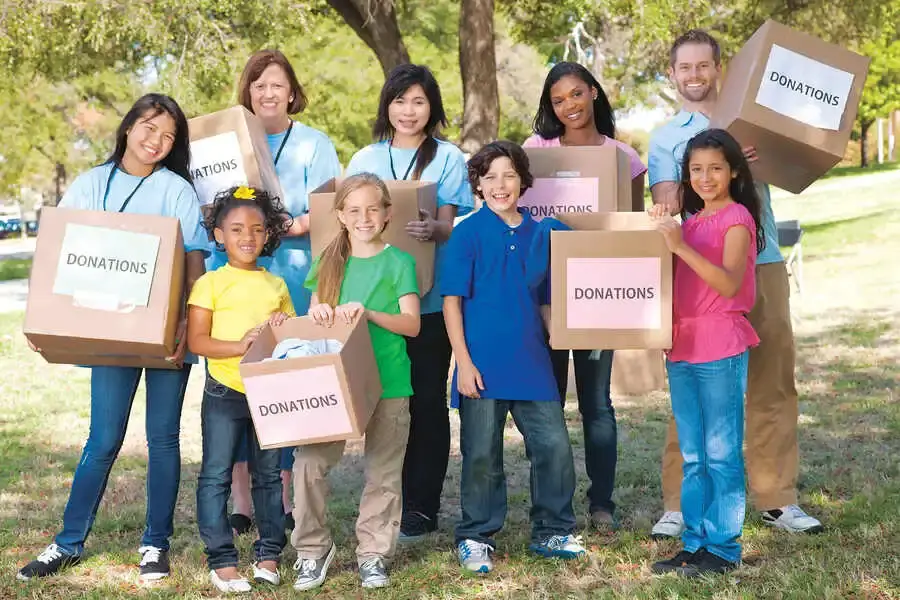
x=70 y=70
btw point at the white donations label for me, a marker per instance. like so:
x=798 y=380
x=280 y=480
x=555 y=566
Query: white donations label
x=106 y=269
x=804 y=89
x=216 y=165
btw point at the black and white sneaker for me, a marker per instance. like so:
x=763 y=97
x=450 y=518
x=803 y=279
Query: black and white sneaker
x=414 y=526
x=48 y=562
x=154 y=563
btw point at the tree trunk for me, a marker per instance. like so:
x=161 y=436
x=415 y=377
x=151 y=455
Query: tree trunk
x=478 y=68
x=59 y=181
x=864 y=143
x=375 y=22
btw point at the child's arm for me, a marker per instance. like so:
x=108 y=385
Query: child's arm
x=202 y=344
x=468 y=378
x=407 y=323
x=727 y=279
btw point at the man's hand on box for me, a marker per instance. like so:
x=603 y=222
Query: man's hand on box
x=180 y=344
x=322 y=314
x=278 y=318
x=750 y=154
x=348 y=312
x=468 y=380
x=659 y=211
x=423 y=229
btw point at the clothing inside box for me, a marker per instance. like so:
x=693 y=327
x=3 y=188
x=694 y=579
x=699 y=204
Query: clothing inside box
x=296 y=348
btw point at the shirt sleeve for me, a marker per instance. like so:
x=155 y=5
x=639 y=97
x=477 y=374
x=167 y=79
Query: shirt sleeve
x=406 y=277
x=79 y=194
x=533 y=141
x=637 y=166
x=202 y=294
x=323 y=166
x=662 y=163
x=287 y=306
x=458 y=264
x=453 y=188
x=312 y=278
x=196 y=238
x=741 y=217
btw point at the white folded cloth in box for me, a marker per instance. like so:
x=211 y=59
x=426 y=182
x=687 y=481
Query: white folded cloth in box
x=295 y=348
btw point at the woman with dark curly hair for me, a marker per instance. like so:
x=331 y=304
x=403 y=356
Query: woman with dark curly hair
x=228 y=307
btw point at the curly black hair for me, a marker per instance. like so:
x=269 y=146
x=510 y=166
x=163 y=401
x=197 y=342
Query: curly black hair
x=277 y=220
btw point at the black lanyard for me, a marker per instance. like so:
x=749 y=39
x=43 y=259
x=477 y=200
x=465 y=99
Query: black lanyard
x=133 y=192
x=283 y=142
x=411 y=162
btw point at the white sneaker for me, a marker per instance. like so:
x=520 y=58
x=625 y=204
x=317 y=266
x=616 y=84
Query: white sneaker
x=792 y=518
x=670 y=525
x=373 y=573
x=231 y=586
x=261 y=575
x=475 y=556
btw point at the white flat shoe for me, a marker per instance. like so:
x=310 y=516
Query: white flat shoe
x=232 y=586
x=261 y=575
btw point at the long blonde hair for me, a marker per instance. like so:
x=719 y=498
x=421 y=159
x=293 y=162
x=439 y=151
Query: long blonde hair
x=333 y=261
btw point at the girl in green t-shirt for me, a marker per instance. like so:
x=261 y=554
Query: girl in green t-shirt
x=358 y=275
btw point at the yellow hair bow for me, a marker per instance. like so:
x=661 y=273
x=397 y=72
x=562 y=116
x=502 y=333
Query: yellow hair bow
x=245 y=193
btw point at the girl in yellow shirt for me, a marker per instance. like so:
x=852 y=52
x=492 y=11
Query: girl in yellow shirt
x=228 y=308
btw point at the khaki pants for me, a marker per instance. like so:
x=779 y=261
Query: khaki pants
x=378 y=525
x=771 y=451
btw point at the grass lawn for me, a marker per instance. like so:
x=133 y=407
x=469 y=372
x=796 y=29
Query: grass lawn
x=14 y=268
x=848 y=355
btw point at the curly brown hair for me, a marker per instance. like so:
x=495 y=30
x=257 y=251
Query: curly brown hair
x=277 y=220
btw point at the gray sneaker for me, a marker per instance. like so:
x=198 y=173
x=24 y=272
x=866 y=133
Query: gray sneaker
x=373 y=573
x=311 y=572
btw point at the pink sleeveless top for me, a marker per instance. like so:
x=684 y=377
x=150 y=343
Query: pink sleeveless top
x=708 y=326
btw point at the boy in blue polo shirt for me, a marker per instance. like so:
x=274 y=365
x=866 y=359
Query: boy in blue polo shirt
x=495 y=322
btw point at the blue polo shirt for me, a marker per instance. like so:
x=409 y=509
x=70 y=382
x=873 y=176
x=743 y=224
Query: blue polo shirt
x=667 y=145
x=484 y=264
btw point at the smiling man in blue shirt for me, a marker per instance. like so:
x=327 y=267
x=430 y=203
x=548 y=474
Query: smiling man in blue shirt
x=496 y=325
x=772 y=452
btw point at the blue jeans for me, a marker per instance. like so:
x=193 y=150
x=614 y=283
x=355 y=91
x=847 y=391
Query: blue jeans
x=224 y=418
x=483 y=482
x=708 y=405
x=112 y=395
x=593 y=372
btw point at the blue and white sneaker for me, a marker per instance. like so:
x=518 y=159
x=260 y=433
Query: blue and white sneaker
x=475 y=556
x=560 y=546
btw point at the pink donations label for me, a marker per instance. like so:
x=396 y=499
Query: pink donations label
x=613 y=293
x=553 y=196
x=297 y=405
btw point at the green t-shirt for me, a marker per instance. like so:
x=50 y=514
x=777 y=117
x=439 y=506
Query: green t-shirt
x=378 y=283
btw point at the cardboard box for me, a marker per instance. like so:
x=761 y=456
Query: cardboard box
x=638 y=372
x=407 y=198
x=610 y=284
x=106 y=288
x=230 y=148
x=793 y=97
x=578 y=180
x=313 y=399
x=634 y=373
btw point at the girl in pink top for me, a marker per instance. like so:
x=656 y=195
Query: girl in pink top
x=574 y=111
x=714 y=289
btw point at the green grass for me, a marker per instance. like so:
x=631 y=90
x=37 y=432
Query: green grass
x=14 y=268
x=857 y=170
x=848 y=373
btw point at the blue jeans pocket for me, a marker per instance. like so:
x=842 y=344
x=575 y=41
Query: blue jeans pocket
x=215 y=389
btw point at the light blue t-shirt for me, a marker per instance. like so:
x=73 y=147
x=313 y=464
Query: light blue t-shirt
x=667 y=145
x=162 y=193
x=448 y=170
x=307 y=160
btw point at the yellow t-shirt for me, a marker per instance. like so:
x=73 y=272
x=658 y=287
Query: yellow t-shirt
x=239 y=300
